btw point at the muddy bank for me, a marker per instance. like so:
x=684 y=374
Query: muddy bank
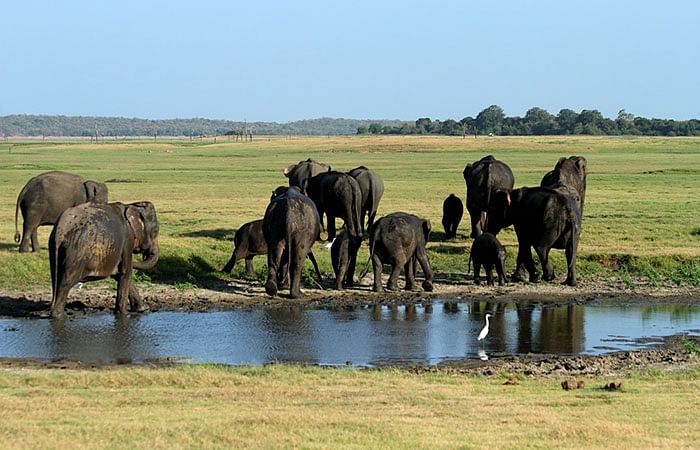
x=248 y=294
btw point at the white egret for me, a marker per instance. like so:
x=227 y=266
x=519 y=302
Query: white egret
x=485 y=330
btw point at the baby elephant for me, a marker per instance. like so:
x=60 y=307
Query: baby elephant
x=452 y=211
x=344 y=258
x=248 y=242
x=488 y=251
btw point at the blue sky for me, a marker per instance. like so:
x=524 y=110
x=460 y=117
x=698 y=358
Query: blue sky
x=280 y=61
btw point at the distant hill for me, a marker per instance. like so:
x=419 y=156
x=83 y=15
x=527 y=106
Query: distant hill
x=40 y=125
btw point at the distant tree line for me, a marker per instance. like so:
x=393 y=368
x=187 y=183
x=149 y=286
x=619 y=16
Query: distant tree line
x=538 y=121
x=86 y=126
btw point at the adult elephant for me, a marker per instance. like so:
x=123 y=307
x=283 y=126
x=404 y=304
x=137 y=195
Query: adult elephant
x=569 y=177
x=372 y=189
x=95 y=241
x=291 y=226
x=542 y=218
x=300 y=173
x=399 y=239
x=46 y=196
x=483 y=179
x=337 y=194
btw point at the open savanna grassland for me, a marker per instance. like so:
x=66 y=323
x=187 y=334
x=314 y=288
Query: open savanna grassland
x=306 y=407
x=641 y=212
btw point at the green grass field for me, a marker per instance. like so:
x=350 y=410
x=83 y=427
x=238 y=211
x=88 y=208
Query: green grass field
x=299 y=407
x=640 y=220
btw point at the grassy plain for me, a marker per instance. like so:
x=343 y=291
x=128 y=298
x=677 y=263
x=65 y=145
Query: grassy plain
x=300 y=407
x=640 y=219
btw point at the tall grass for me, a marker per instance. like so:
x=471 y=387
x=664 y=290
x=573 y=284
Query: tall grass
x=641 y=204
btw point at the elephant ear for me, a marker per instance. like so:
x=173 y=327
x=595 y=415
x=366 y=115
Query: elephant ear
x=581 y=165
x=91 y=190
x=426 y=229
x=135 y=220
x=465 y=173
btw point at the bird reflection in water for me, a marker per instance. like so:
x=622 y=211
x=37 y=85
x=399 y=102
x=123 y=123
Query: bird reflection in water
x=482 y=355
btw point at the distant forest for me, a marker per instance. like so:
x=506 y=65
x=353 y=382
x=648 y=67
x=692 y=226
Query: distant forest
x=85 y=126
x=538 y=122
x=491 y=120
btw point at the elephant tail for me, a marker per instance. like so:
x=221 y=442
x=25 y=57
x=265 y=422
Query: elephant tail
x=371 y=254
x=19 y=200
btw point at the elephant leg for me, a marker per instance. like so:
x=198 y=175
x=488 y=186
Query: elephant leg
x=475 y=218
x=489 y=274
x=249 y=268
x=331 y=226
x=298 y=252
x=60 y=295
x=135 y=301
x=274 y=255
x=393 y=283
x=352 y=263
x=283 y=271
x=377 y=269
x=123 y=278
x=477 y=272
x=340 y=276
x=547 y=269
x=571 y=262
x=500 y=270
x=410 y=274
x=29 y=234
x=524 y=262
x=422 y=256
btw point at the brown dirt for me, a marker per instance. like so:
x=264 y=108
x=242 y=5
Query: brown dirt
x=248 y=294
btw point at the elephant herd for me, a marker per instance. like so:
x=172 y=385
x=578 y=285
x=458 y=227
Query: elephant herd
x=93 y=239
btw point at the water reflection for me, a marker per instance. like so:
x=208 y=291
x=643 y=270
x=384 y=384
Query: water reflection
x=364 y=335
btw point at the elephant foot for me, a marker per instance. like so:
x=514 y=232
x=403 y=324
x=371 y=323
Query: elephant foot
x=295 y=294
x=548 y=277
x=377 y=288
x=428 y=286
x=477 y=281
x=517 y=277
x=570 y=281
x=271 y=288
x=142 y=308
x=392 y=287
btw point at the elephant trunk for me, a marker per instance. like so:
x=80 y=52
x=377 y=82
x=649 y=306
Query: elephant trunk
x=150 y=259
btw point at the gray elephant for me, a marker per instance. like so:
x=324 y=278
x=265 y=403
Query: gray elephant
x=344 y=259
x=452 y=212
x=300 y=173
x=544 y=219
x=95 y=241
x=483 y=179
x=372 y=188
x=487 y=251
x=249 y=241
x=399 y=239
x=337 y=194
x=291 y=226
x=569 y=177
x=46 y=196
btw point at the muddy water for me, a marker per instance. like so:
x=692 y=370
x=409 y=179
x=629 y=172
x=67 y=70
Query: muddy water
x=363 y=336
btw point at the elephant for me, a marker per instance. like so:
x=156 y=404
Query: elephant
x=300 y=173
x=93 y=241
x=372 y=188
x=569 y=177
x=291 y=226
x=399 y=239
x=344 y=258
x=249 y=241
x=452 y=212
x=487 y=251
x=544 y=219
x=337 y=194
x=46 y=196
x=483 y=179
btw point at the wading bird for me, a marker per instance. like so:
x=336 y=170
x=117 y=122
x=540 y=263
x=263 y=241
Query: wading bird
x=485 y=330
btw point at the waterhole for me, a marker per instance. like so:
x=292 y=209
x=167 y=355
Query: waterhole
x=362 y=336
